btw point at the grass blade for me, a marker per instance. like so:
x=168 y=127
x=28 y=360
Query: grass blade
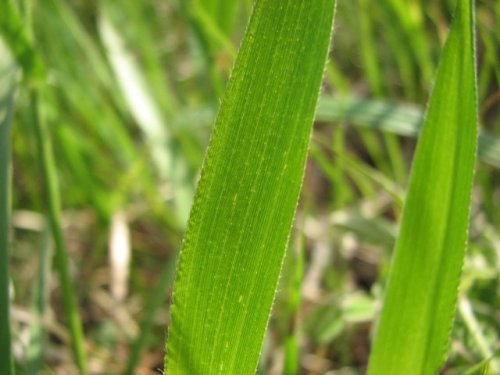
x=51 y=187
x=40 y=304
x=16 y=34
x=156 y=299
x=248 y=191
x=422 y=290
x=148 y=115
x=7 y=92
x=400 y=119
x=16 y=37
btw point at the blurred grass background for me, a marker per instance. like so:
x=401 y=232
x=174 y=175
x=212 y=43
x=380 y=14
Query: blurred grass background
x=131 y=90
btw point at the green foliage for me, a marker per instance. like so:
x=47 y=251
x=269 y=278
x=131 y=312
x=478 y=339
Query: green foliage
x=16 y=35
x=52 y=194
x=247 y=194
x=117 y=100
x=421 y=294
x=405 y=120
x=8 y=84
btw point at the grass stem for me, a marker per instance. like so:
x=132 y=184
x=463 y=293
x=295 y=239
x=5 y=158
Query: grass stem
x=50 y=185
x=5 y=181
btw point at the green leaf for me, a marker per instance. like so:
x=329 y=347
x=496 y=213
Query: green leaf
x=16 y=36
x=145 y=109
x=8 y=85
x=421 y=295
x=52 y=196
x=247 y=195
x=401 y=119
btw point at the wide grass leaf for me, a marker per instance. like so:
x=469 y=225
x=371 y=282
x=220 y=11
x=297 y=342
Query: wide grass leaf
x=247 y=194
x=421 y=295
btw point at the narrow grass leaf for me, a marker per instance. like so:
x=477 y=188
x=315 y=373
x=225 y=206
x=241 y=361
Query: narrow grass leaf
x=52 y=196
x=164 y=150
x=246 y=198
x=15 y=35
x=7 y=92
x=421 y=294
x=401 y=119
x=83 y=105
x=155 y=300
x=376 y=114
x=41 y=287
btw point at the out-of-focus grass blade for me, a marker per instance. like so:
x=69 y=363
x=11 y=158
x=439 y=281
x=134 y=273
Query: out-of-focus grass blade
x=369 y=175
x=145 y=110
x=223 y=12
x=411 y=24
x=401 y=119
x=212 y=22
x=7 y=91
x=15 y=35
x=155 y=301
x=421 y=295
x=52 y=196
x=41 y=287
x=467 y=314
x=88 y=115
x=16 y=32
x=489 y=149
x=248 y=190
